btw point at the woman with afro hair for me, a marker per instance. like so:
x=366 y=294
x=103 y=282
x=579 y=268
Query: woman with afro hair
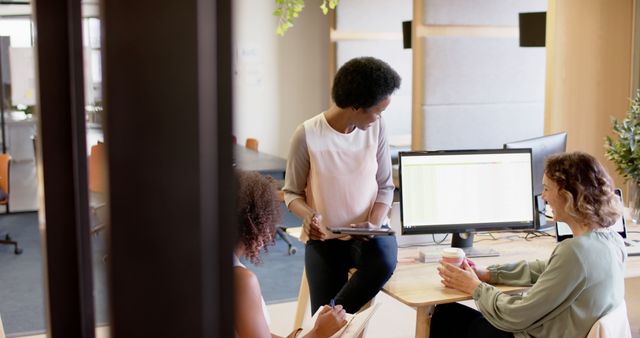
x=258 y=213
x=339 y=174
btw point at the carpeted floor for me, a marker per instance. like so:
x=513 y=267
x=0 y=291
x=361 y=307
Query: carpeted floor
x=21 y=300
x=279 y=274
x=21 y=292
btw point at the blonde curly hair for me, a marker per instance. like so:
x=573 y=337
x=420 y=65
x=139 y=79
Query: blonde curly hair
x=586 y=186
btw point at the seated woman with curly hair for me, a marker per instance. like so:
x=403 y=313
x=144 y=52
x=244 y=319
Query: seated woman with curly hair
x=582 y=280
x=258 y=213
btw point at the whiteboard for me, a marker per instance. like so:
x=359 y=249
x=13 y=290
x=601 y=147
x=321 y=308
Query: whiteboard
x=22 y=76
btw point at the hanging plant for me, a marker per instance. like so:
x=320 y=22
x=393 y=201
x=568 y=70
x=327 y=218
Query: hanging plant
x=288 y=10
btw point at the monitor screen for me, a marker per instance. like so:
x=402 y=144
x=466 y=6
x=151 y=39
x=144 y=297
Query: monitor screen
x=541 y=147
x=466 y=190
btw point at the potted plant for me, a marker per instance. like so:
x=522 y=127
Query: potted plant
x=625 y=153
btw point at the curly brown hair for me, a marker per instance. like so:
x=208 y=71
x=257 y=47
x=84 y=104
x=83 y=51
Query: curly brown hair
x=586 y=186
x=258 y=213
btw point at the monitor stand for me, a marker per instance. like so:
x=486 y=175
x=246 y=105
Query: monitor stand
x=464 y=241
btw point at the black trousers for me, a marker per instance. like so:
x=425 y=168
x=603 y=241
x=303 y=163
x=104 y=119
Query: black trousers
x=460 y=321
x=328 y=263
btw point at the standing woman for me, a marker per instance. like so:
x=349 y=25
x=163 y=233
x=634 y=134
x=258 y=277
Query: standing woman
x=339 y=174
x=258 y=213
x=582 y=281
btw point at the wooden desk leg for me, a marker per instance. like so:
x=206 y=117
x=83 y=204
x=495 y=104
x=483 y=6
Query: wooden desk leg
x=423 y=320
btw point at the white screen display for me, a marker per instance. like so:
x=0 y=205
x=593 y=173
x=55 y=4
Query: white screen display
x=466 y=188
x=564 y=229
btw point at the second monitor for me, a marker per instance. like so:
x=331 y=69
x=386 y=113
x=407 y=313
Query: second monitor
x=541 y=148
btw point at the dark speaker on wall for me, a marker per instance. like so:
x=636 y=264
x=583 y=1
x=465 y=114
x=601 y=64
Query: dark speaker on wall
x=533 y=27
x=406 y=34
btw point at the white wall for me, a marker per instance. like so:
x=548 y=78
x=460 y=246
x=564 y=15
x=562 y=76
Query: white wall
x=374 y=28
x=278 y=81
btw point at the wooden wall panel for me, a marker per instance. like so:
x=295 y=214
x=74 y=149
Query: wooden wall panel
x=589 y=49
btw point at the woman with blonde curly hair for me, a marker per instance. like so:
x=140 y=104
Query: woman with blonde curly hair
x=582 y=280
x=258 y=213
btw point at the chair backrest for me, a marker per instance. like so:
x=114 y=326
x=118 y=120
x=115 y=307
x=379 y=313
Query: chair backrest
x=5 y=161
x=252 y=144
x=97 y=177
x=614 y=324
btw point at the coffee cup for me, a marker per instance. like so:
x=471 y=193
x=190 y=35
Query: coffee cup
x=453 y=256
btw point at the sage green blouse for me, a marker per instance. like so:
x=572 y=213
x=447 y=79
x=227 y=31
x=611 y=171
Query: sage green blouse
x=582 y=281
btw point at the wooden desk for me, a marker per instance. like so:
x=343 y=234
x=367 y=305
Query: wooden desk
x=418 y=284
x=263 y=163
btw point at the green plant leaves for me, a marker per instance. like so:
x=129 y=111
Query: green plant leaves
x=625 y=152
x=288 y=10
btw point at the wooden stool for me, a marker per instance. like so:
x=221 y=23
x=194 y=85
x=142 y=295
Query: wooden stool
x=1 y=329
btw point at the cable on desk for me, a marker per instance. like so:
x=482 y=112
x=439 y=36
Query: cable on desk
x=493 y=238
x=535 y=234
x=417 y=245
x=633 y=232
x=434 y=243
x=433 y=236
x=516 y=235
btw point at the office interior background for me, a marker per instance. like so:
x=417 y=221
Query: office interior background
x=165 y=86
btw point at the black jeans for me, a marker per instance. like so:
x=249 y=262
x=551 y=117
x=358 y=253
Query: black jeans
x=327 y=264
x=457 y=320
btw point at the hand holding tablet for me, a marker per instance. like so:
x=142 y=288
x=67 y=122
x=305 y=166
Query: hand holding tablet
x=362 y=231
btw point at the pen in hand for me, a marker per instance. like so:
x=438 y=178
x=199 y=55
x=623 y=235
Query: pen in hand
x=332 y=303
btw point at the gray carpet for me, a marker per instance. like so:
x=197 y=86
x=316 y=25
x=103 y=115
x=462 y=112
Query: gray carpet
x=279 y=274
x=21 y=293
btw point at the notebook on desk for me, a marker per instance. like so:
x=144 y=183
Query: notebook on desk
x=633 y=247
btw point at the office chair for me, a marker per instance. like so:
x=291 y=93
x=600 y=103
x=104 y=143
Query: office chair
x=252 y=143
x=5 y=162
x=614 y=324
x=97 y=185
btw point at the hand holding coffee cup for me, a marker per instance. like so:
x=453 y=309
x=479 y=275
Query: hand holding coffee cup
x=453 y=256
x=458 y=276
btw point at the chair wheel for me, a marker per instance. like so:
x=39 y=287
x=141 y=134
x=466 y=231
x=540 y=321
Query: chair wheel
x=17 y=251
x=292 y=250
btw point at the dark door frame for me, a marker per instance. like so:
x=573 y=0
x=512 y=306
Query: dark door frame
x=62 y=157
x=167 y=111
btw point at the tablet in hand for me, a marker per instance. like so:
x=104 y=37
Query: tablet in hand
x=363 y=231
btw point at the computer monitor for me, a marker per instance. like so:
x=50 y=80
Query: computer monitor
x=465 y=191
x=541 y=147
